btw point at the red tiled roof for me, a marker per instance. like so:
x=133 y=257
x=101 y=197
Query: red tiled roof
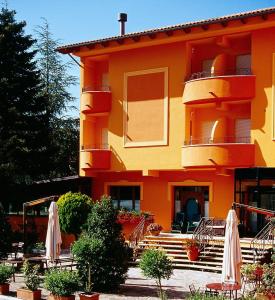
x=71 y=47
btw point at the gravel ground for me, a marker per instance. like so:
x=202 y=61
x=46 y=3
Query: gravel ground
x=138 y=287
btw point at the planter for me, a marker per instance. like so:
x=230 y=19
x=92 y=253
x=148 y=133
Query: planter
x=4 y=288
x=57 y=297
x=154 y=232
x=26 y=294
x=193 y=253
x=91 y=296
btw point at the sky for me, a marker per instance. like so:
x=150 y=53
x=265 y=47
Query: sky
x=73 y=21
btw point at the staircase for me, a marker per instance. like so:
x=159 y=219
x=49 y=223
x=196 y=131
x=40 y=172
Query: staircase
x=211 y=255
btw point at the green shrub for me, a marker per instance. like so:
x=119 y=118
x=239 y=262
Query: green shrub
x=61 y=282
x=155 y=264
x=86 y=251
x=5 y=234
x=109 y=268
x=201 y=296
x=31 y=276
x=5 y=273
x=73 y=209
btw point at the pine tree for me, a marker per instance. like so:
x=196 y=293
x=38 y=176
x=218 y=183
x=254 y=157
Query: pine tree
x=54 y=74
x=23 y=119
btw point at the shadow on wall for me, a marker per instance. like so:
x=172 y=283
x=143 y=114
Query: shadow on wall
x=116 y=160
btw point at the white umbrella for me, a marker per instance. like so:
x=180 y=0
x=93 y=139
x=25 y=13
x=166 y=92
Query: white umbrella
x=232 y=256
x=53 y=239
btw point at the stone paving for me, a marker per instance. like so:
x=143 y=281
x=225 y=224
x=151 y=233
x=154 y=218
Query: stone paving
x=138 y=287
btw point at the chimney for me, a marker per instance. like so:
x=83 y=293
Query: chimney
x=122 y=18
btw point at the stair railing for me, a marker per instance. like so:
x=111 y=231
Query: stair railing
x=203 y=234
x=264 y=238
x=138 y=234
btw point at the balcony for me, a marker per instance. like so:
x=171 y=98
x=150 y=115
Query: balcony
x=95 y=159
x=96 y=102
x=225 y=152
x=205 y=88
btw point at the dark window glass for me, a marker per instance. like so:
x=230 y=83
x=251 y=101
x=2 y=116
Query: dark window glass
x=127 y=197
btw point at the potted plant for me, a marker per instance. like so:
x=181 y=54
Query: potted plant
x=32 y=281
x=154 y=229
x=155 y=264
x=86 y=251
x=5 y=274
x=62 y=284
x=192 y=249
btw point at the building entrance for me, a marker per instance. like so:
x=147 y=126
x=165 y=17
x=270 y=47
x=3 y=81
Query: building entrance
x=191 y=203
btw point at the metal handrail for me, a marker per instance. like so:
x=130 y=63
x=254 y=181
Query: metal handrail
x=203 y=234
x=266 y=237
x=137 y=235
x=87 y=147
x=229 y=72
x=220 y=140
x=98 y=88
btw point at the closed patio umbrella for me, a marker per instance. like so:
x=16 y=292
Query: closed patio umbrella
x=232 y=256
x=53 y=239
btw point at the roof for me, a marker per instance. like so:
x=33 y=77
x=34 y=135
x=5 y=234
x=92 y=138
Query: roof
x=185 y=26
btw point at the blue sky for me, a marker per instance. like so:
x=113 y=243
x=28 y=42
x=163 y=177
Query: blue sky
x=75 y=21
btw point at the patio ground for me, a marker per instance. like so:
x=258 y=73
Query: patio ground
x=138 y=287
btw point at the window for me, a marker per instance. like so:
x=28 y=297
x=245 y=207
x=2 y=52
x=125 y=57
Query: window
x=127 y=197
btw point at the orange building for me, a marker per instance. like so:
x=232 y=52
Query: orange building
x=180 y=121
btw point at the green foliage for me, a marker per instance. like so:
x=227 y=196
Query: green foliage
x=61 y=282
x=103 y=234
x=64 y=131
x=155 y=264
x=268 y=279
x=5 y=273
x=86 y=251
x=23 y=119
x=73 y=209
x=201 y=296
x=31 y=275
x=5 y=234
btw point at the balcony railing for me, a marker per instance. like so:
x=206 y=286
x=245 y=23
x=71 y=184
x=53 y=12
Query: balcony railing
x=87 y=147
x=221 y=140
x=101 y=88
x=229 y=72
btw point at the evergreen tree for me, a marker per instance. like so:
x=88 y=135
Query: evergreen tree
x=54 y=74
x=23 y=119
x=109 y=268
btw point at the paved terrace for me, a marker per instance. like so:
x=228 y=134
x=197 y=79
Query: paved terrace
x=138 y=287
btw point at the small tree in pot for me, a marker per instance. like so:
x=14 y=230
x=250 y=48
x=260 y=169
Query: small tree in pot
x=86 y=251
x=5 y=274
x=32 y=281
x=155 y=264
x=62 y=284
x=192 y=249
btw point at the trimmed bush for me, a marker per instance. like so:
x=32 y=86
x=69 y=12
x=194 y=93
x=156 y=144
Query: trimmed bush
x=73 y=209
x=61 y=282
x=155 y=264
x=5 y=273
x=104 y=235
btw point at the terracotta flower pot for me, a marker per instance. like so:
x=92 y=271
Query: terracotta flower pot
x=91 y=296
x=193 y=253
x=4 y=289
x=57 y=297
x=154 y=232
x=27 y=294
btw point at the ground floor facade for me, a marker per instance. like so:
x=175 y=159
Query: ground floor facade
x=191 y=195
